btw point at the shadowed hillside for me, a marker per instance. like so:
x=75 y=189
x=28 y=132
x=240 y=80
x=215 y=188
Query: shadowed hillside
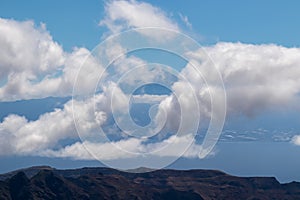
x=105 y=183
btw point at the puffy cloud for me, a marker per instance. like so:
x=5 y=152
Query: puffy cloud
x=129 y=148
x=296 y=140
x=31 y=137
x=26 y=47
x=21 y=85
x=122 y=15
x=27 y=54
x=103 y=151
x=20 y=136
x=258 y=77
x=35 y=66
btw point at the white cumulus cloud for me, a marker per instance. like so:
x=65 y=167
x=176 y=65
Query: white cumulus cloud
x=296 y=140
x=122 y=15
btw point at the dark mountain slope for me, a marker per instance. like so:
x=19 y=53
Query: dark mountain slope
x=105 y=183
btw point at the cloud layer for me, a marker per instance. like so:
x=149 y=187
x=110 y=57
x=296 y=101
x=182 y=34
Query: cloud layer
x=33 y=65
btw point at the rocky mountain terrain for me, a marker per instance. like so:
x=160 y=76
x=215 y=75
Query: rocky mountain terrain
x=105 y=183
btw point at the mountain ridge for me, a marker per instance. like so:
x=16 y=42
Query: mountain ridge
x=44 y=182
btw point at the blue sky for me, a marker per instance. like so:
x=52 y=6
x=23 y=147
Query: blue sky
x=255 y=45
x=76 y=23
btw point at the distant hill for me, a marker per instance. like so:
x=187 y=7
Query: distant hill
x=104 y=183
